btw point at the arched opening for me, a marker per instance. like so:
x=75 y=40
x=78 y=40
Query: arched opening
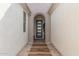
x=39 y=28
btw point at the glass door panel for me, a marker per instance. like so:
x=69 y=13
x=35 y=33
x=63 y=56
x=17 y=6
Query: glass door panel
x=39 y=29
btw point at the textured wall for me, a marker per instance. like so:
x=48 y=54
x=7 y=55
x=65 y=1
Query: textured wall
x=65 y=29
x=12 y=37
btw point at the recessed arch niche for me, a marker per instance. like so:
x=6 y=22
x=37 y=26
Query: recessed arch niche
x=39 y=27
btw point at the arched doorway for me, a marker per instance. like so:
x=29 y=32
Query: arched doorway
x=39 y=28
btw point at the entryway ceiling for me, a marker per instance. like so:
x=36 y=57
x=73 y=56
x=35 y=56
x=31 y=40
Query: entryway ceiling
x=39 y=7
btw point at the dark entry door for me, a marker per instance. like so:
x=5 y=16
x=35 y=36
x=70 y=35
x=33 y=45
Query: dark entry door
x=39 y=30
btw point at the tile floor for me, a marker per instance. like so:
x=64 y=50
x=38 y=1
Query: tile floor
x=38 y=49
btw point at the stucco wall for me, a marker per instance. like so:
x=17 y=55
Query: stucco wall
x=12 y=37
x=65 y=28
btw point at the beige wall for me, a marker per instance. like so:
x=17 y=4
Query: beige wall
x=30 y=28
x=12 y=37
x=65 y=29
x=47 y=28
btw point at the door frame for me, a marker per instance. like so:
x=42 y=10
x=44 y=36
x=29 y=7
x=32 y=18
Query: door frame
x=41 y=17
